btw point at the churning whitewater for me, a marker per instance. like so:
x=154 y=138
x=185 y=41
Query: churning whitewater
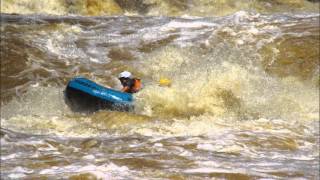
x=243 y=102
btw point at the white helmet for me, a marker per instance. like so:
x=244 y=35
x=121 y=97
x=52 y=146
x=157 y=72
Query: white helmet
x=125 y=74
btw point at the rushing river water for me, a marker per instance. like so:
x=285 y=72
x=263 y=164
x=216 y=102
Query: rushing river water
x=243 y=102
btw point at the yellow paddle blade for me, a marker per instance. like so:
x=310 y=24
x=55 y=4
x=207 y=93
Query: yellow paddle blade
x=164 y=82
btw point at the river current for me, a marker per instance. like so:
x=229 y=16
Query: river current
x=243 y=102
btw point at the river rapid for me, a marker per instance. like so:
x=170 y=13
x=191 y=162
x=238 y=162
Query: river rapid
x=243 y=101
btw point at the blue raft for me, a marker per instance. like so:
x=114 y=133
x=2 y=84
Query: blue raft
x=84 y=95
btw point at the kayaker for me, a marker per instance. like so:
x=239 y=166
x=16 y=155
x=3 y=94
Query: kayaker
x=130 y=85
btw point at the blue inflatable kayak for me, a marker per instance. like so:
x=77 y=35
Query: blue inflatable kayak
x=84 y=95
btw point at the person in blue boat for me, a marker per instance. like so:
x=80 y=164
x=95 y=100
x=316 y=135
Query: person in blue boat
x=130 y=84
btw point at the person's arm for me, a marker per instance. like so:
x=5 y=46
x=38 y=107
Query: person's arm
x=125 y=89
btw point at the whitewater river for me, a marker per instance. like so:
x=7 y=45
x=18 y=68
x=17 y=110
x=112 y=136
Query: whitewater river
x=243 y=101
